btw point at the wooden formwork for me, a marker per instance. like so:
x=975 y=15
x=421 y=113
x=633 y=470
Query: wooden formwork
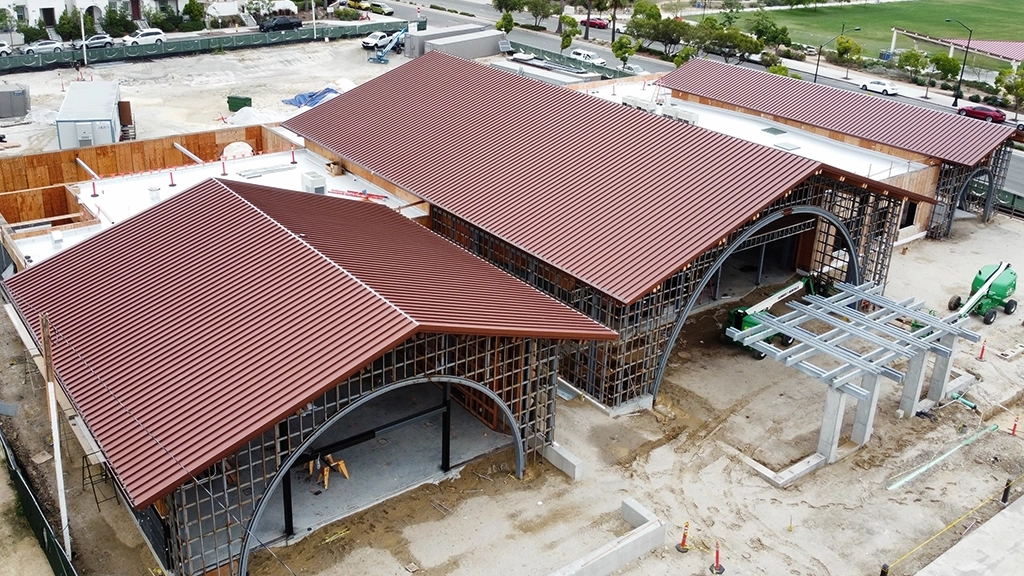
x=132 y=157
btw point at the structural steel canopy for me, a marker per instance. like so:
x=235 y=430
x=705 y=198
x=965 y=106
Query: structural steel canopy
x=929 y=132
x=186 y=330
x=848 y=324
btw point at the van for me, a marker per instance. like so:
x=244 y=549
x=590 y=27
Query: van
x=586 y=56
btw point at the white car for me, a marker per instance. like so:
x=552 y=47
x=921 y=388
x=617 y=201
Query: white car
x=42 y=47
x=5 y=49
x=145 y=36
x=883 y=87
x=620 y=26
x=377 y=40
x=635 y=69
x=586 y=56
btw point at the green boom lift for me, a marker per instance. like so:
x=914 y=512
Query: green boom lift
x=745 y=317
x=992 y=287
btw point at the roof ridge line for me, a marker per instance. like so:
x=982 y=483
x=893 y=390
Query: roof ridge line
x=319 y=253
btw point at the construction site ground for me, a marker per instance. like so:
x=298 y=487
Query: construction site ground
x=677 y=460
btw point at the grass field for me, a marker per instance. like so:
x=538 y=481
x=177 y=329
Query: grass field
x=990 y=19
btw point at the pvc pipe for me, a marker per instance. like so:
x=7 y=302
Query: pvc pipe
x=921 y=469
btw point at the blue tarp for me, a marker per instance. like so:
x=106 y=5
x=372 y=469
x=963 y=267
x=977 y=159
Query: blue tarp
x=310 y=98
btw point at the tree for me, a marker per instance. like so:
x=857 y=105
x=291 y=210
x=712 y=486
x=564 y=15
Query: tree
x=644 y=23
x=69 y=25
x=195 y=11
x=1012 y=84
x=624 y=47
x=730 y=12
x=684 y=56
x=507 y=5
x=570 y=28
x=704 y=35
x=769 y=59
x=947 y=66
x=33 y=33
x=616 y=5
x=6 y=23
x=732 y=43
x=764 y=28
x=914 y=61
x=259 y=8
x=506 y=23
x=539 y=9
x=847 y=49
x=118 y=23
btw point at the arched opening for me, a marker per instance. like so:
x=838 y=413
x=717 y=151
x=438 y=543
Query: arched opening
x=977 y=195
x=237 y=150
x=851 y=262
x=338 y=431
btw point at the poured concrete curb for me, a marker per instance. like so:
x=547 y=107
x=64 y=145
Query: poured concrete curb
x=647 y=534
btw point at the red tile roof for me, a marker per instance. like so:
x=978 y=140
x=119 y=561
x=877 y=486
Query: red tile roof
x=1008 y=49
x=202 y=321
x=929 y=132
x=618 y=198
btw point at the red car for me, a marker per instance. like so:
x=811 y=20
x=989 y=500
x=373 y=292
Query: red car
x=594 y=23
x=983 y=113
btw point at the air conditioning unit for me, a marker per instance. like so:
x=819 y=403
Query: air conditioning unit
x=314 y=182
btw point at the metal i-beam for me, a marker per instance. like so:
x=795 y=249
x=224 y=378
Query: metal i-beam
x=926 y=335
x=817 y=373
x=893 y=331
x=926 y=319
x=836 y=335
x=852 y=328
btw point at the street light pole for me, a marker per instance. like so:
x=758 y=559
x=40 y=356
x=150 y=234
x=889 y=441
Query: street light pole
x=822 y=47
x=970 y=34
x=81 y=22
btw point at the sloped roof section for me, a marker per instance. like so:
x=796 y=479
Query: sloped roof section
x=204 y=302
x=1008 y=49
x=616 y=197
x=441 y=286
x=937 y=134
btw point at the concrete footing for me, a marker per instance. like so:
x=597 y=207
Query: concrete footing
x=647 y=534
x=638 y=404
x=564 y=460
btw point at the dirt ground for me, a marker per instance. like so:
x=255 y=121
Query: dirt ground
x=677 y=460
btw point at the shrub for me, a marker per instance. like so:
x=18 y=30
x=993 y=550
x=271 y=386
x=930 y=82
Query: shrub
x=33 y=33
x=453 y=10
x=436 y=7
x=975 y=98
x=532 y=27
x=68 y=25
x=920 y=81
x=118 y=23
x=347 y=13
x=215 y=23
x=931 y=82
x=192 y=26
x=467 y=14
x=946 y=86
x=195 y=11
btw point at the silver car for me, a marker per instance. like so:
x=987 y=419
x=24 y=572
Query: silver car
x=42 y=47
x=95 y=41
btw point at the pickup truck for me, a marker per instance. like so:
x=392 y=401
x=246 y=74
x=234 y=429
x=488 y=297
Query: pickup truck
x=280 y=23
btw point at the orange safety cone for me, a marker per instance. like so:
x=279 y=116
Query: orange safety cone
x=682 y=543
x=717 y=567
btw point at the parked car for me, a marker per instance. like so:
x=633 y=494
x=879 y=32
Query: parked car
x=5 y=49
x=586 y=56
x=42 y=47
x=381 y=8
x=594 y=23
x=620 y=26
x=1020 y=125
x=145 y=36
x=359 y=4
x=883 y=87
x=280 y=23
x=378 y=40
x=94 y=41
x=631 y=69
x=983 y=113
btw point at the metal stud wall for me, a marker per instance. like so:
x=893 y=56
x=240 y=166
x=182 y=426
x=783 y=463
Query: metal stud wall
x=204 y=519
x=952 y=178
x=619 y=371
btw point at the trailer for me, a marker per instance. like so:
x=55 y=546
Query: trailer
x=991 y=289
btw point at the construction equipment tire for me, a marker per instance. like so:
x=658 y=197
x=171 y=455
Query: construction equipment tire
x=955 y=302
x=1010 y=307
x=989 y=316
x=759 y=355
x=787 y=340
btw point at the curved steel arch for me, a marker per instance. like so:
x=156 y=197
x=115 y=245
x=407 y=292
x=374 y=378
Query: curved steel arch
x=853 y=271
x=990 y=197
x=286 y=465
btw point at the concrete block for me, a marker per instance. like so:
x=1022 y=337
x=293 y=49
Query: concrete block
x=778 y=479
x=615 y=554
x=564 y=460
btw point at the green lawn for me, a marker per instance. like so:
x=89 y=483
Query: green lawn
x=990 y=19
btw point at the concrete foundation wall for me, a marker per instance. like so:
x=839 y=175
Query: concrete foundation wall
x=469 y=46
x=416 y=41
x=648 y=533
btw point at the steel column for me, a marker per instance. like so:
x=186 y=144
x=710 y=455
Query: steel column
x=446 y=429
x=760 y=266
x=286 y=487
